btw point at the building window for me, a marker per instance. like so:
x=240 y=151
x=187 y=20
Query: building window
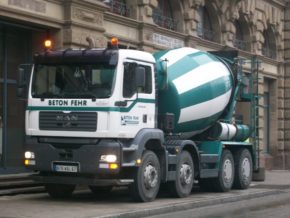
x=163 y=15
x=118 y=7
x=204 y=26
x=269 y=47
x=242 y=37
x=239 y=41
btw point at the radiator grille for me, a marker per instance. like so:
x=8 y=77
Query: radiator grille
x=74 y=121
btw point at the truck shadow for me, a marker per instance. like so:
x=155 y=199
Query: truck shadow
x=117 y=195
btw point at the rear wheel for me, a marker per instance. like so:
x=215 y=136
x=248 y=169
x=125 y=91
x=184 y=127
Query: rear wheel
x=225 y=179
x=146 y=179
x=183 y=183
x=59 y=190
x=243 y=169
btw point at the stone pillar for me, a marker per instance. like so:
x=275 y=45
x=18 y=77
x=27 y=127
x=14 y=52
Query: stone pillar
x=228 y=29
x=260 y=27
x=146 y=10
x=146 y=30
x=192 y=17
x=279 y=159
x=286 y=132
x=83 y=23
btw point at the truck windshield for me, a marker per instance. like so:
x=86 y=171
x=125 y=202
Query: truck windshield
x=72 y=81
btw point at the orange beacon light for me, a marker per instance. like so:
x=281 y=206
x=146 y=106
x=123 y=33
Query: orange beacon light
x=113 y=44
x=47 y=44
x=114 y=41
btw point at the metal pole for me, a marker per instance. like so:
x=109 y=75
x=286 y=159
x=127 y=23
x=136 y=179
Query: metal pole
x=5 y=100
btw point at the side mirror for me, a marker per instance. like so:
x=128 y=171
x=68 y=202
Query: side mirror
x=140 y=77
x=24 y=72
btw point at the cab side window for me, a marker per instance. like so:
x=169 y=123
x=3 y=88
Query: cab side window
x=129 y=80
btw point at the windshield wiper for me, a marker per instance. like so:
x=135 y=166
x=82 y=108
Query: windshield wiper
x=48 y=95
x=80 y=95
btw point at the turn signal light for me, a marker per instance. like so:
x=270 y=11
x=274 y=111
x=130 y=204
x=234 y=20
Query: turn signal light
x=113 y=166
x=26 y=162
x=29 y=162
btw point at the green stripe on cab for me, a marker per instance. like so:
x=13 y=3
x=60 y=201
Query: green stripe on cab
x=85 y=108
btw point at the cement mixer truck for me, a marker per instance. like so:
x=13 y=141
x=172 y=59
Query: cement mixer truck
x=111 y=117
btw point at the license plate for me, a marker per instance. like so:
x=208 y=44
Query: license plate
x=65 y=168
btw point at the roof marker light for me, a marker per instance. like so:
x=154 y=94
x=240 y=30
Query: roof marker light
x=114 y=42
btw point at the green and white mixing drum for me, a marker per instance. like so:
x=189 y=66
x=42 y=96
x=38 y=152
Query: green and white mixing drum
x=199 y=88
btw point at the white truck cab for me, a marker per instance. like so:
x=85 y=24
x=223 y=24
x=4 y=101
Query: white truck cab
x=70 y=93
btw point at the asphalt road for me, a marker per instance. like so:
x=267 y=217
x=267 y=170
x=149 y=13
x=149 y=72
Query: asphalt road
x=270 y=198
x=277 y=206
x=117 y=204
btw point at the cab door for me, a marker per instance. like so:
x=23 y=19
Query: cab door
x=139 y=111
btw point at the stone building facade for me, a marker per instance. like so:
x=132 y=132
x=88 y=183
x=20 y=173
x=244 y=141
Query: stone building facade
x=257 y=28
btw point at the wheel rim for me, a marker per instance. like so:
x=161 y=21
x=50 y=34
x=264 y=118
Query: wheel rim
x=150 y=176
x=228 y=170
x=185 y=174
x=246 y=169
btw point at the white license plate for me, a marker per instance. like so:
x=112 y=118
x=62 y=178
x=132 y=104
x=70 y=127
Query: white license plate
x=65 y=168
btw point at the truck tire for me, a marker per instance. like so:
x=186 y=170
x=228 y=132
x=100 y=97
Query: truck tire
x=100 y=190
x=146 y=178
x=225 y=179
x=59 y=190
x=184 y=177
x=243 y=169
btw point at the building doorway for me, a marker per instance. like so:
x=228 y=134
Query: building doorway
x=15 y=48
x=18 y=43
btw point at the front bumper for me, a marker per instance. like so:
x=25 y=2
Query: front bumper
x=85 y=156
x=83 y=180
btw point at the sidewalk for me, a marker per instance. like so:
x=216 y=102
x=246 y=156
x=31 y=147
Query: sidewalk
x=278 y=177
x=19 y=183
x=275 y=178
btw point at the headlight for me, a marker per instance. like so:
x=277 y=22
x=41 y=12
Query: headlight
x=110 y=158
x=29 y=155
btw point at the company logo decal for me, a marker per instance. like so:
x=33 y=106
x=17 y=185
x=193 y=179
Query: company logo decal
x=129 y=120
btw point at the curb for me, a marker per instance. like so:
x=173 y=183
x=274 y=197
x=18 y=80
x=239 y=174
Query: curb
x=189 y=205
x=22 y=190
x=13 y=184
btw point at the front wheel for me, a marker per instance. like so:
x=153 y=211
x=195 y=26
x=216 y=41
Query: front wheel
x=146 y=179
x=225 y=179
x=59 y=190
x=243 y=169
x=184 y=177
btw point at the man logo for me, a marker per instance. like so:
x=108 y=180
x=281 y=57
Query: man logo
x=66 y=120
